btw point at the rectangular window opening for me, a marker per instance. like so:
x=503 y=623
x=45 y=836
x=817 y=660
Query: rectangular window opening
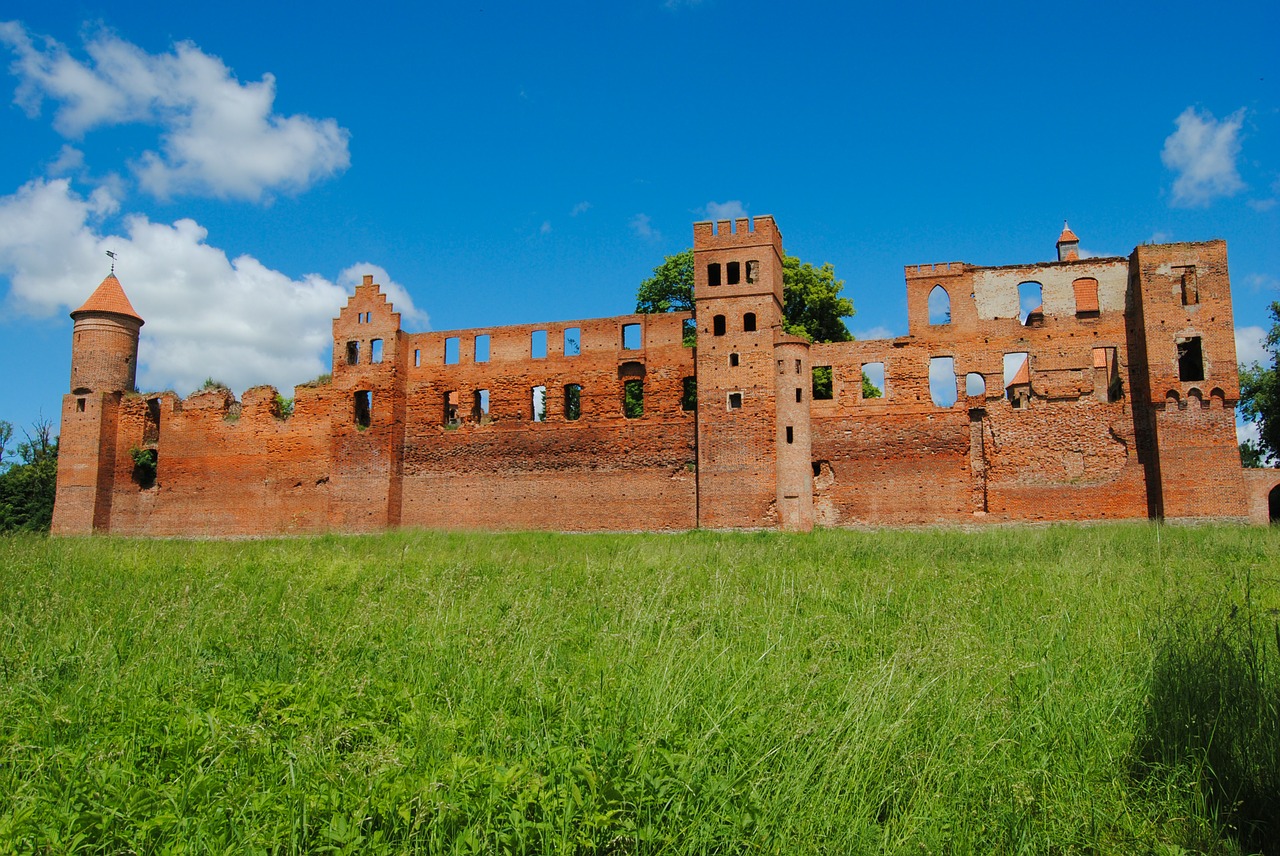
x=353 y=353
x=572 y=401
x=633 y=398
x=480 y=407
x=79 y=405
x=538 y=344
x=1106 y=375
x=872 y=380
x=689 y=333
x=790 y=435
x=482 y=348
x=539 y=401
x=452 y=348
x=1190 y=359
x=713 y=274
x=753 y=271
x=733 y=273
x=823 y=383
x=799 y=394
x=735 y=401
x=1190 y=285
x=375 y=351
x=362 y=407
x=417 y=357
x=1017 y=378
x=689 y=394
x=749 y=322
x=943 y=389
x=733 y=359
x=572 y=341
x=717 y=325
x=630 y=337
x=452 y=419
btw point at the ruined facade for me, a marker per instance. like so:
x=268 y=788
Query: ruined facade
x=1077 y=389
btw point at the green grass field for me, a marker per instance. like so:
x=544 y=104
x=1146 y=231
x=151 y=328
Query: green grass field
x=1003 y=691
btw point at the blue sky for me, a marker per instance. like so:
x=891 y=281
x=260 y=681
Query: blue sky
x=499 y=163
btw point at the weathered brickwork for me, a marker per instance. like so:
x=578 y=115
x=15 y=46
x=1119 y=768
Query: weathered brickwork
x=1073 y=389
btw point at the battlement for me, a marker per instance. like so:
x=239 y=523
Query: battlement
x=936 y=269
x=740 y=232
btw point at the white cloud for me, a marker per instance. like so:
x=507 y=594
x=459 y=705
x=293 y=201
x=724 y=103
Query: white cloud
x=206 y=315
x=219 y=136
x=410 y=315
x=1262 y=282
x=642 y=225
x=69 y=160
x=1249 y=345
x=1246 y=431
x=942 y=381
x=726 y=210
x=1203 y=151
x=580 y=208
x=878 y=332
x=545 y=228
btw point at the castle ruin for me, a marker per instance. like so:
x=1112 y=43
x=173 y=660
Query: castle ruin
x=1112 y=398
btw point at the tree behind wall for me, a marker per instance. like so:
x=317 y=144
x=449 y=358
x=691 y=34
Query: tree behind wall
x=27 y=486
x=1260 y=400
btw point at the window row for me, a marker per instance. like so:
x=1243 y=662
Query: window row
x=353 y=351
x=719 y=324
x=732 y=272
x=1030 y=302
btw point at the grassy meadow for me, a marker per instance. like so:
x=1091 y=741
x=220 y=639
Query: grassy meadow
x=1022 y=690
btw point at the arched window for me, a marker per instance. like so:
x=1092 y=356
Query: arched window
x=1086 y=289
x=939 y=306
x=975 y=384
x=749 y=322
x=1273 y=504
x=1030 y=301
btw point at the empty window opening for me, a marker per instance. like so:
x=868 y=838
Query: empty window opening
x=79 y=405
x=151 y=429
x=538 y=344
x=538 y=399
x=1106 y=375
x=713 y=274
x=630 y=337
x=780 y=369
x=633 y=398
x=753 y=270
x=480 y=407
x=362 y=408
x=799 y=394
x=733 y=359
x=749 y=322
x=798 y=367
x=1017 y=378
x=735 y=401
x=375 y=351
x=689 y=333
x=823 y=383
x=872 y=380
x=1030 y=302
x=452 y=348
x=733 y=273
x=451 y=416
x=791 y=437
x=482 y=348
x=975 y=384
x=1190 y=285
x=573 y=341
x=1190 y=359
x=1273 y=505
x=689 y=394
x=942 y=381
x=572 y=401
x=1086 y=292
x=353 y=353
x=417 y=357
x=717 y=325
x=939 y=306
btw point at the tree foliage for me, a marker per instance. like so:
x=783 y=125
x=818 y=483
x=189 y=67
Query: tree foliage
x=670 y=289
x=27 y=486
x=1260 y=399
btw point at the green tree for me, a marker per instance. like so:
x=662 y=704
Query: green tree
x=812 y=305
x=27 y=487
x=1260 y=399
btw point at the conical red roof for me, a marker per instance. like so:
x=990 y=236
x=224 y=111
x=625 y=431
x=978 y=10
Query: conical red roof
x=1067 y=235
x=1023 y=377
x=109 y=297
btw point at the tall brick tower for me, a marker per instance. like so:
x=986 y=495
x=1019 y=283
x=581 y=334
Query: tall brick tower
x=1185 y=379
x=753 y=383
x=104 y=365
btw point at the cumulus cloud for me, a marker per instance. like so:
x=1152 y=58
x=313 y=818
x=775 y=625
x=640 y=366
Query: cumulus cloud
x=219 y=137
x=726 y=210
x=206 y=314
x=1202 y=152
x=871 y=333
x=942 y=381
x=1249 y=345
x=410 y=316
x=642 y=225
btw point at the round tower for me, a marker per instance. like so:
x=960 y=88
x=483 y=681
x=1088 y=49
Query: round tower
x=104 y=344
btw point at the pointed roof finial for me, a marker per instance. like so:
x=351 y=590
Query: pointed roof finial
x=1067 y=235
x=111 y=255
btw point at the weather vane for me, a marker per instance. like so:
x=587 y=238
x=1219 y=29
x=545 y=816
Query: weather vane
x=112 y=256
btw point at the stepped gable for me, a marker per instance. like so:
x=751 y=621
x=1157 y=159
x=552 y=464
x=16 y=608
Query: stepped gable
x=109 y=297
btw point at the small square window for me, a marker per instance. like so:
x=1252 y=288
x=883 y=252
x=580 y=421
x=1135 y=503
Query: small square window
x=735 y=401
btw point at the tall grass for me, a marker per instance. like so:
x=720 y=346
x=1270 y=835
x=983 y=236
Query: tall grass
x=900 y=692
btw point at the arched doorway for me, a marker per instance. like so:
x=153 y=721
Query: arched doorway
x=1273 y=505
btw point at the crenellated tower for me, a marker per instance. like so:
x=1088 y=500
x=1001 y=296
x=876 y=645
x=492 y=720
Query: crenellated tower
x=753 y=383
x=104 y=366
